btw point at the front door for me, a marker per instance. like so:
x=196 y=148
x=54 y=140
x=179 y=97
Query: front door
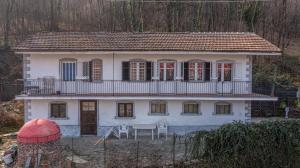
x=88 y=117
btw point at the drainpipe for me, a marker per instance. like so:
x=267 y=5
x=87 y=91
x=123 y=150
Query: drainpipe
x=113 y=74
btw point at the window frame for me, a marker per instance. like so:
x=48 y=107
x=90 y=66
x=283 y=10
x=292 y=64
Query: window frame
x=61 y=68
x=125 y=117
x=158 y=102
x=138 y=69
x=191 y=113
x=221 y=78
x=196 y=70
x=58 y=118
x=165 y=62
x=93 y=61
x=223 y=104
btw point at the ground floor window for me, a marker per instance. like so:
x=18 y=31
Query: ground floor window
x=58 y=110
x=158 y=107
x=223 y=108
x=125 y=109
x=191 y=107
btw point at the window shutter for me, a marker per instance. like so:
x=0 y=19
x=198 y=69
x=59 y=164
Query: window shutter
x=125 y=71
x=149 y=67
x=91 y=71
x=207 y=71
x=85 y=69
x=185 y=71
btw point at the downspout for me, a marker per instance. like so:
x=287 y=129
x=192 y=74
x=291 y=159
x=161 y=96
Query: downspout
x=113 y=74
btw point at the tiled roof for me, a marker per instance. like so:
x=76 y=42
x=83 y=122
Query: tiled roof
x=99 y=41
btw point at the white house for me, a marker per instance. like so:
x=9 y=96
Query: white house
x=90 y=82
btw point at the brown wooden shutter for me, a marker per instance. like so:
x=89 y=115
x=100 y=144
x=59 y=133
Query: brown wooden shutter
x=125 y=71
x=90 y=71
x=207 y=71
x=149 y=69
x=185 y=71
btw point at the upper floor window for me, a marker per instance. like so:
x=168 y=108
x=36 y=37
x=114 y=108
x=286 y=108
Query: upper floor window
x=68 y=69
x=92 y=70
x=223 y=108
x=166 y=71
x=137 y=70
x=224 y=71
x=96 y=69
x=196 y=71
x=58 y=110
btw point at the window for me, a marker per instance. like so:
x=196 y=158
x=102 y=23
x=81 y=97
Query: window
x=89 y=106
x=68 y=70
x=125 y=109
x=58 y=110
x=167 y=71
x=137 y=70
x=196 y=71
x=85 y=69
x=191 y=107
x=224 y=71
x=158 y=107
x=96 y=69
x=223 y=108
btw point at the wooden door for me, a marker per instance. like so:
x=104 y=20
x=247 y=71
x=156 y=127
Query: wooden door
x=88 y=117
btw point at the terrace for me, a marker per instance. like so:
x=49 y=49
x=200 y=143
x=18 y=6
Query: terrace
x=118 y=88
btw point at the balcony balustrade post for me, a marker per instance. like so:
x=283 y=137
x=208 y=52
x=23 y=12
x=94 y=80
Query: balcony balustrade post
x=186 y=85
x=149 y=83
x=113 y=87
x=176 y=87
x=222 y=88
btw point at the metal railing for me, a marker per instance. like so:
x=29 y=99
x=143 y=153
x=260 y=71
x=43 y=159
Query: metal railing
x=46 y=87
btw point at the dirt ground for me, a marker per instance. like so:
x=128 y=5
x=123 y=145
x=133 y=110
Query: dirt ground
x=6 y=143
x=123 y=153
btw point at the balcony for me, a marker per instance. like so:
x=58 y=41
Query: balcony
x=54 y=87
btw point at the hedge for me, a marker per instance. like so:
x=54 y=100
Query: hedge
x=238 y=145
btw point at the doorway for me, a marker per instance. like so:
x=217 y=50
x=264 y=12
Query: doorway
x=88 y=117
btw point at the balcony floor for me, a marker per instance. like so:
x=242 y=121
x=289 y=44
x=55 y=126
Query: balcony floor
x=252 y=96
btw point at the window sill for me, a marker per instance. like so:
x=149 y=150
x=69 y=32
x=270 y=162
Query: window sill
x=158 y=114
x=197 y=81
x=222 y=114
x=124 y=118
x=190 y=114
x=53 y=118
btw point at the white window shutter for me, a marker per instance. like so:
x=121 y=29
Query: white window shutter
x=238 y=69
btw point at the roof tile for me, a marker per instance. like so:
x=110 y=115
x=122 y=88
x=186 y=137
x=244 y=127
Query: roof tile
x=99 y=41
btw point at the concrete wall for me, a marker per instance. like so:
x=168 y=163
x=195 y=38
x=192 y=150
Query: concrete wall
x=107 y=111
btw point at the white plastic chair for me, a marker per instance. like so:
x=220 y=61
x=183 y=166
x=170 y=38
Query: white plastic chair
x=162 y=127
x=123 y=129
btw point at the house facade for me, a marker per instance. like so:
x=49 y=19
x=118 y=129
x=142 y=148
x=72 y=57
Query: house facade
x=91 y=82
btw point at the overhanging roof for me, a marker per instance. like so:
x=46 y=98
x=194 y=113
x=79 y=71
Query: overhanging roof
x=193 y=42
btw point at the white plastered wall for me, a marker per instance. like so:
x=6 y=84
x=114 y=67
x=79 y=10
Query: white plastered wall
x=107 y=111
x=41 y=109
x=44 y=65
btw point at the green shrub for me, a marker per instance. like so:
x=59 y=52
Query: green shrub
x=238 y=145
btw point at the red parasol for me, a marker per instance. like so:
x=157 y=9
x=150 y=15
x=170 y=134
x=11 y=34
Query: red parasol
x=38 y=131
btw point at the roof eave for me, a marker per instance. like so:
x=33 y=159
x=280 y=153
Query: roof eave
x=254 y=53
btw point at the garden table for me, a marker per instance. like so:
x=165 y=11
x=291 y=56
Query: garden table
x=136 y=127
